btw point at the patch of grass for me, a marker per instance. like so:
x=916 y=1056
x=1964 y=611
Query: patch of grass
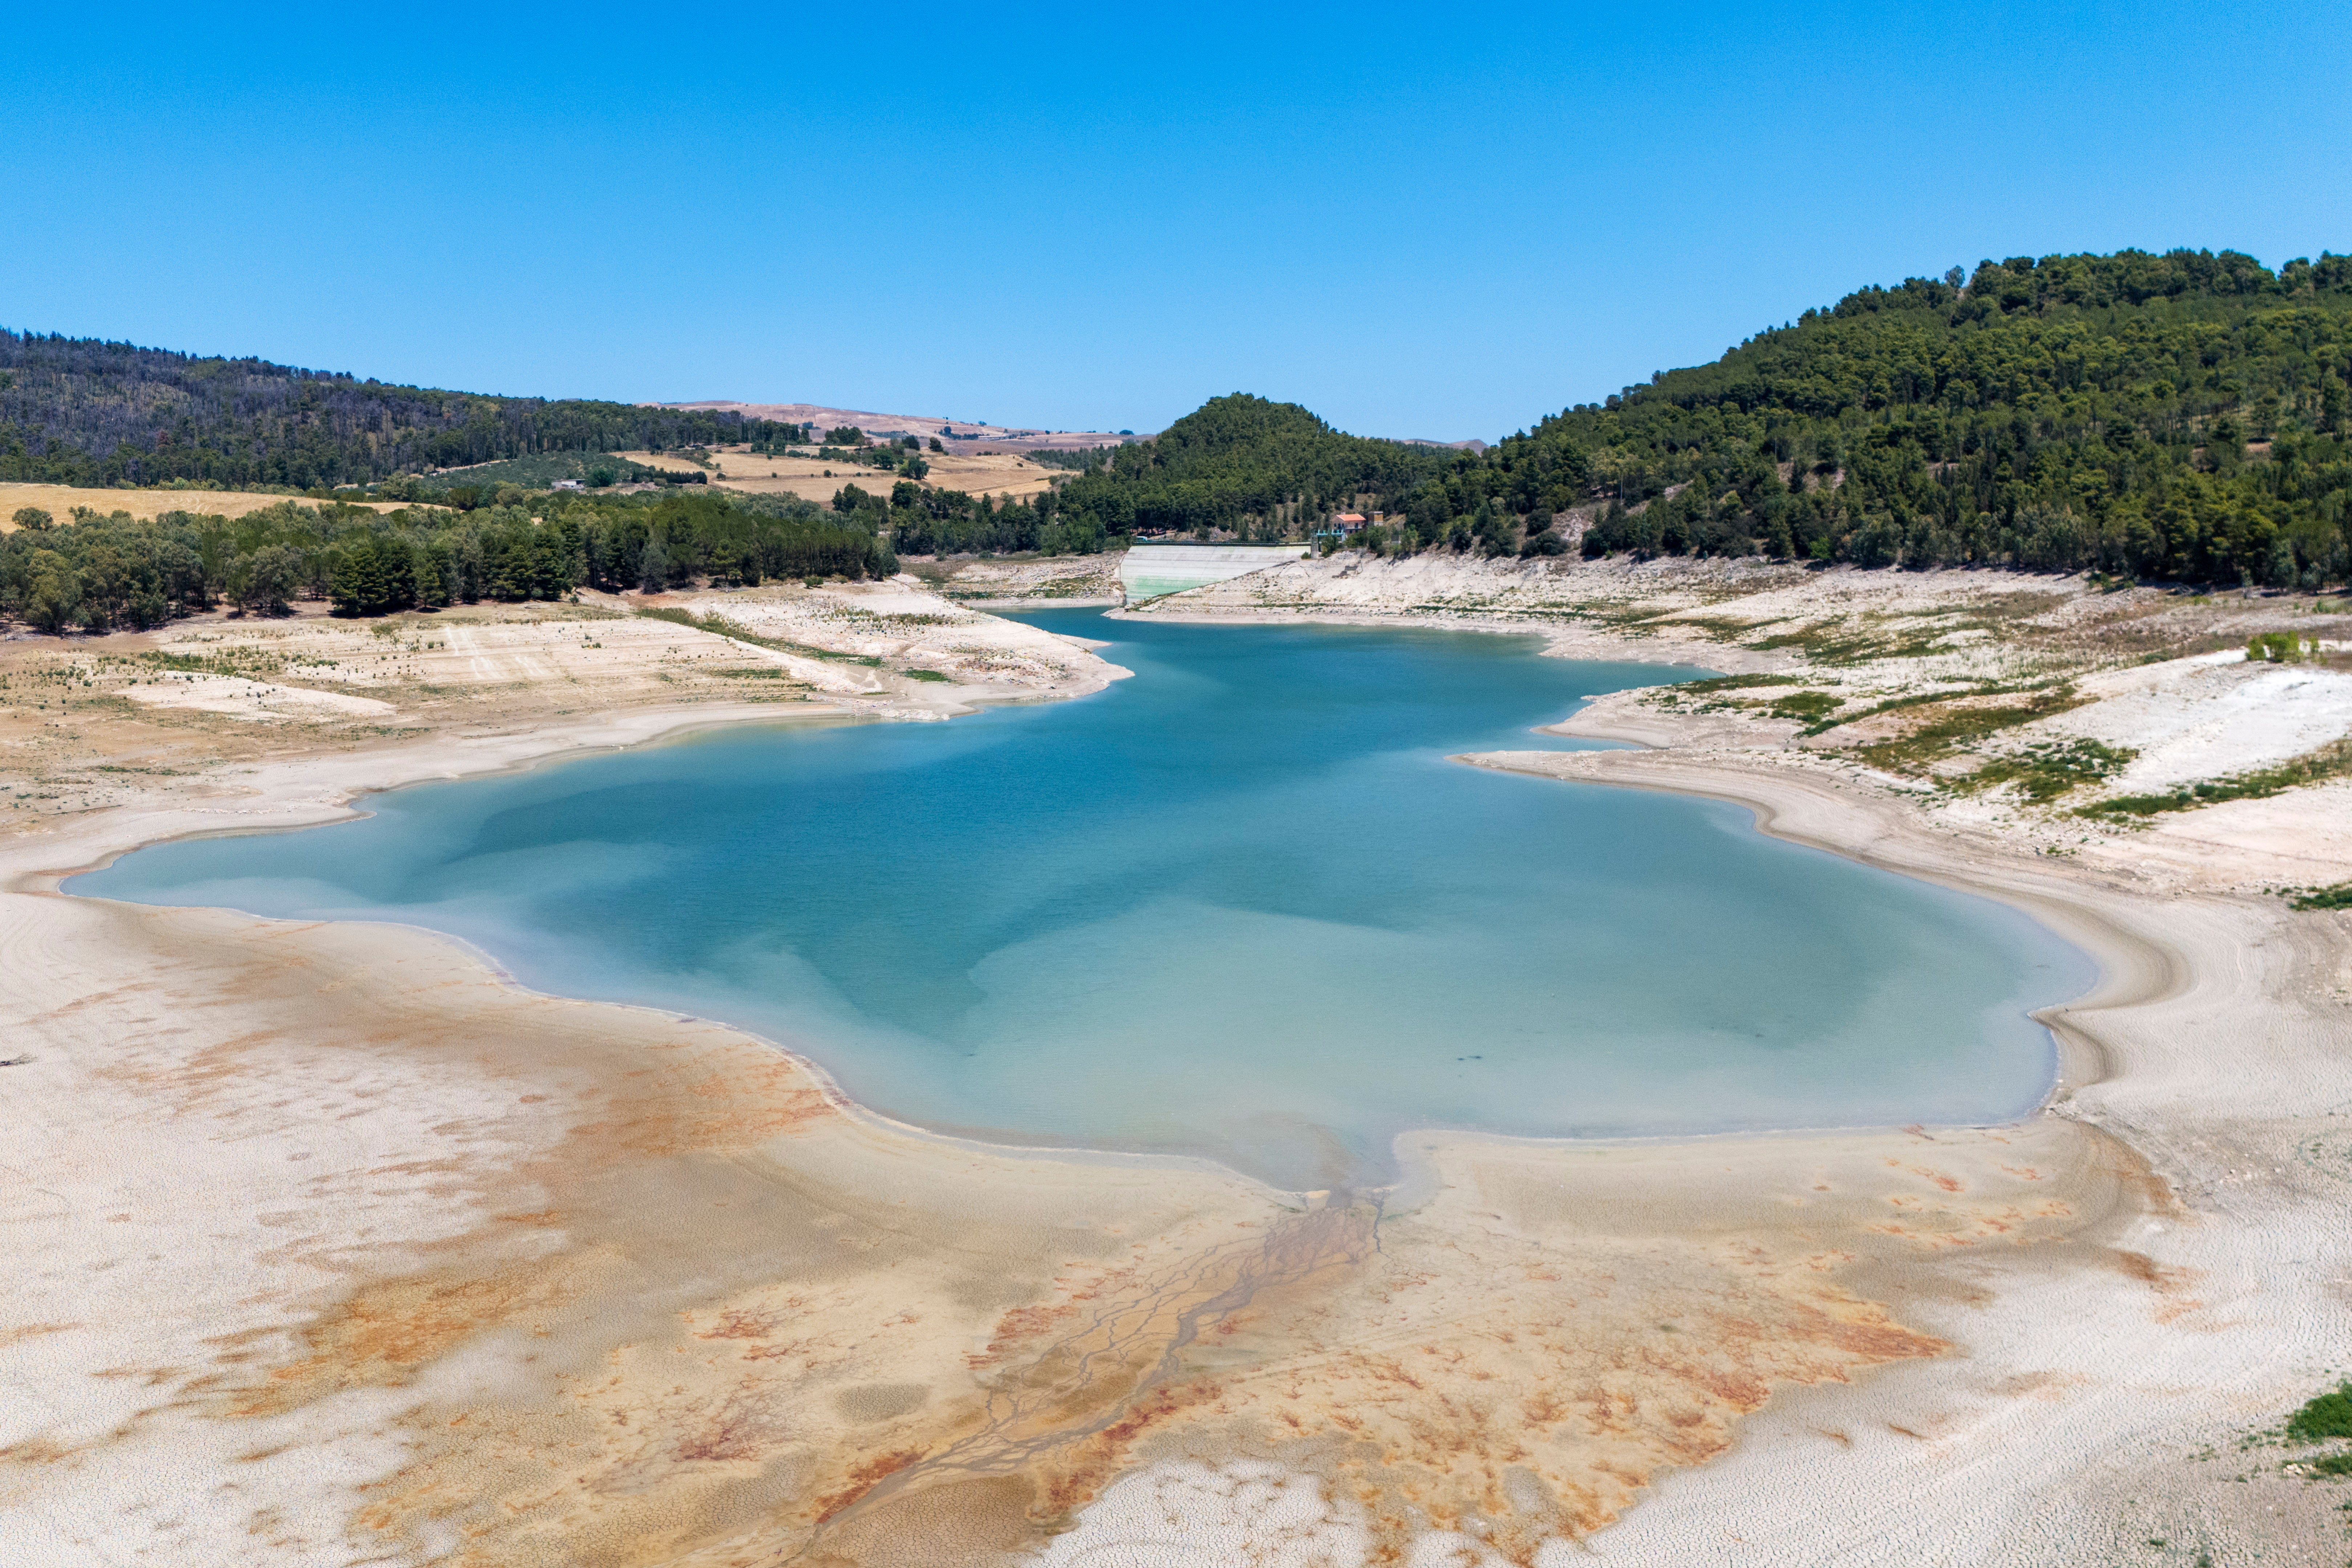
x=1807 y=705
x=1960 y=727
x=2328 y=762
x=2044 y=771
x=2329 y=1416
x=1916 y=699
x=924 y=675
x=1716 y=683
x=1826 y=723
x=251 y=663
x=2339 y=897
x=1722 y=628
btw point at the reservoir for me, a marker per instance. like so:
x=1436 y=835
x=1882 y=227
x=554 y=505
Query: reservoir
x=1239 y=906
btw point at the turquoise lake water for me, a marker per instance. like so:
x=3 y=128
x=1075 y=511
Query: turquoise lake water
x=1239 y=906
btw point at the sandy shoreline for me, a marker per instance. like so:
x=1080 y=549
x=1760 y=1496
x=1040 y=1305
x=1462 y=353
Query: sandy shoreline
x=483 y=1325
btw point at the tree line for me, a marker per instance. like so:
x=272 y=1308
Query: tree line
x=100 y=572
x=926 y=521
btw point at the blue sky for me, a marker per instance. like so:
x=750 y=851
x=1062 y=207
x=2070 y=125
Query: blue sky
x=1419 y=221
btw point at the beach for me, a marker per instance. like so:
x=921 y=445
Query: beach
x=347 y=1249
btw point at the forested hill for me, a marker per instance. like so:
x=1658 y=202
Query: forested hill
x=1241 y=463
x=78 y=411
x=2179 y=416
x=1238 y=466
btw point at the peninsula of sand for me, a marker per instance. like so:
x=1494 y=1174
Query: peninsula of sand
x=332 y=1245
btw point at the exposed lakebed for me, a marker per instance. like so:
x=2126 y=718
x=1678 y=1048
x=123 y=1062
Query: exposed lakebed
x=1239 y=906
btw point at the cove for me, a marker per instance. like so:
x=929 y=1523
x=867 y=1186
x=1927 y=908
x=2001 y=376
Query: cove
x=1239 y=906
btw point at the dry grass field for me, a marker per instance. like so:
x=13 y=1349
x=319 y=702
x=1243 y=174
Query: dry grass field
x=997 y=436
x=59 y=502
x=1000 y=474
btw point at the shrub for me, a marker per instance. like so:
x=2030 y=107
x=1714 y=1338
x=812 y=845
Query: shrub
x=2329 y=1416
x=2339 y=897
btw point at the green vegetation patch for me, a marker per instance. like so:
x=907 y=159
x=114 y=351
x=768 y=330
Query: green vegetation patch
x=1957 y=728
x=1807 y=705
x=541 y=470
x=2339 y=897
x=2329 y=1416
x=924 y=675
x=2328 y=762
x=1716 y=683
x=2280 y=647
x=1916 y=699
x=187 y=662
x=253 y=664
x=2044 y=771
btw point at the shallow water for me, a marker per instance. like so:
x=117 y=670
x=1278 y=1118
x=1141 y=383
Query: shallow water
x=1239 y=905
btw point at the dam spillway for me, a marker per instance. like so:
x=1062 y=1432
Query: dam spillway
x=1154 y=570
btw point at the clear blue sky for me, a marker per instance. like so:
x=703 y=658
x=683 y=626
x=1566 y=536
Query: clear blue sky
x=1432 y=221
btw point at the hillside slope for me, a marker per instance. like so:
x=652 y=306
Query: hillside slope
x=79 y=411
x=2177 y=416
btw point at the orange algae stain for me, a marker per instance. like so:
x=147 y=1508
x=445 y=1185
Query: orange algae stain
x=723 y=1110
x=380 y=1335
x=1019 y=1327
x=1419 y=1436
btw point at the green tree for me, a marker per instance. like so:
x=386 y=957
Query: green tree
x=53 y=596
x=374 y=576
x=263 y=583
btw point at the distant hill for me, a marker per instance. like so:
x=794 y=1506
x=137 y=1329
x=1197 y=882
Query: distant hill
x=1248 y=466
x=79 y=411
x=964 y=433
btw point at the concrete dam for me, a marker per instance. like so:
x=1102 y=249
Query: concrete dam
x=1154 y=570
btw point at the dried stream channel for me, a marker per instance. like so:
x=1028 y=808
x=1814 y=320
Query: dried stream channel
x=1239 y=906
